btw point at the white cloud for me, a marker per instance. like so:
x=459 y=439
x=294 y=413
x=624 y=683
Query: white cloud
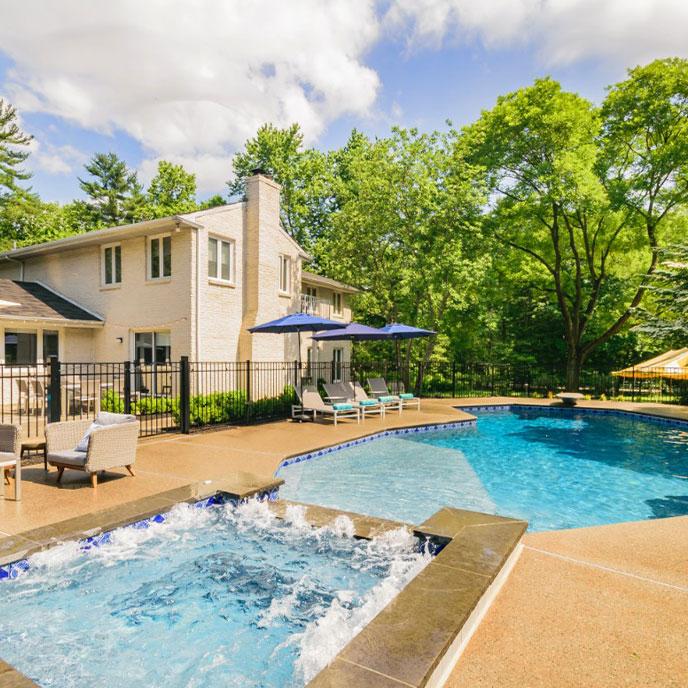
x=56 y=159
x=191 y=80
x=625 y=32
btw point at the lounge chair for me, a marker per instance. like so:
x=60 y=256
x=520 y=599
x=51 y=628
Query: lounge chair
x=10 y=456
x=379 y=389
x=362 y=397
x=345 y=392
x=111 y=443
x=311 y=402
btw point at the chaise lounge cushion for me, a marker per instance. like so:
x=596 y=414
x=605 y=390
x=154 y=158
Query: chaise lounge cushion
x=68 y=457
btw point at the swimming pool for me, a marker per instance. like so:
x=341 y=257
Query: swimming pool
x=556 y=468
x=223 y=595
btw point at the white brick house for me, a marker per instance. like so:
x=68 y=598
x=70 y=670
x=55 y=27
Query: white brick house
x=188 y=285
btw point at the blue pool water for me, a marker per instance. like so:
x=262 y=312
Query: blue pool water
x=219 y=596
x=555 y=468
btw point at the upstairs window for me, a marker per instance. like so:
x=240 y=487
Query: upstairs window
x=112 y=264
x=285 y=274
x=337 y=303
x=221 y=260
x=160 y=257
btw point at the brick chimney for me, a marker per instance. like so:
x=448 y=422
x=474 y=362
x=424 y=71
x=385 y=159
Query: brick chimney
x=260 y=263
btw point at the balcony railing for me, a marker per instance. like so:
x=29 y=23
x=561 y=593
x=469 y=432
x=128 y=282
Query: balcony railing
x=315 y=306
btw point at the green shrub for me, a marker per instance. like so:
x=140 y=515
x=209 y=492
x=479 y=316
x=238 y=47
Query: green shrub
x=112 y=402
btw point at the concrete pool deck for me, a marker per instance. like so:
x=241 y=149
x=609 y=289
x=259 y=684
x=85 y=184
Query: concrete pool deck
x=604 y=606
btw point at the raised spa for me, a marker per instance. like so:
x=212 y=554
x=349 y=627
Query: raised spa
x=552 y=467
x=221 y=595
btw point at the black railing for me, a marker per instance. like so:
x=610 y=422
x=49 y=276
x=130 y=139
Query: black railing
x=187 y=395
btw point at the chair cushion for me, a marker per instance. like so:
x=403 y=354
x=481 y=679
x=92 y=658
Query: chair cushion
x=68 y=457
x=342 y=407
x=387 y=398
x=406 y=395
x=105 y=418
x=82 y=445
x=368 y=402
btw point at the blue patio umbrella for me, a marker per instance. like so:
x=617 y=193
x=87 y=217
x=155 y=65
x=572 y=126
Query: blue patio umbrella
x=401 y=331
x=297 y=322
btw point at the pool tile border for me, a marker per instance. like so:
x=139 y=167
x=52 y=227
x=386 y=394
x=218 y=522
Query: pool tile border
x=392 y=432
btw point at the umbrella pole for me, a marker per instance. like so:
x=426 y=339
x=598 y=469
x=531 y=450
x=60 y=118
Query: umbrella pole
x=298 y=332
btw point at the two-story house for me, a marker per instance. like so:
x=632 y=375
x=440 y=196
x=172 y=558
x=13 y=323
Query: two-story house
x=187 y=285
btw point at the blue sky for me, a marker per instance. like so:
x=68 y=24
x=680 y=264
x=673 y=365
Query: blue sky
x=87 y=80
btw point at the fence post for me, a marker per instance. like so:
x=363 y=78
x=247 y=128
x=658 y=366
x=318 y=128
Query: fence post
x=633 y=386
x=54 y=391
x=296 y=374
x=184 y=396
x=127 y=386
x=453 y=378
x=248 y=381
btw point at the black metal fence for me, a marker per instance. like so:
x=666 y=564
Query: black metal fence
x=186 y=395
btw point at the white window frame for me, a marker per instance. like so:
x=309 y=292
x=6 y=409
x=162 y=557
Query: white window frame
x=232 y=260
x=284 y=260
x=149 y=257
x=103 y=251
x=337 y=303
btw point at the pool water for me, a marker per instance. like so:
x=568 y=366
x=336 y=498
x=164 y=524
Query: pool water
x=555 y=468
x=217 y=596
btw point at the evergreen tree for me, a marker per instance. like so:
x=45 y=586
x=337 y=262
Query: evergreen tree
x=114 y=191
x=13 y=151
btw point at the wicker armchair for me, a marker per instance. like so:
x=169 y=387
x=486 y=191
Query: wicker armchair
x=10 y=456
x=110 y=446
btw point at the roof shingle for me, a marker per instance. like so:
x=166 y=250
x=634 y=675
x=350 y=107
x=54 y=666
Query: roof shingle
x=31 y=300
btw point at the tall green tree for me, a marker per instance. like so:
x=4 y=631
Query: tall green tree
x=171 y=191
x=114 y=193
x=584 y=193
x=302 y=173
x=405 y=227
x=13 y=151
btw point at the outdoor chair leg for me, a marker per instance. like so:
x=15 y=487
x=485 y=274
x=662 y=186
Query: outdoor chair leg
x=60 y=471
x=131 y=470
x=94 y=480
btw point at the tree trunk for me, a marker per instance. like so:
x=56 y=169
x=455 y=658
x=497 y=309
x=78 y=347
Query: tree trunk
x=574 y=365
